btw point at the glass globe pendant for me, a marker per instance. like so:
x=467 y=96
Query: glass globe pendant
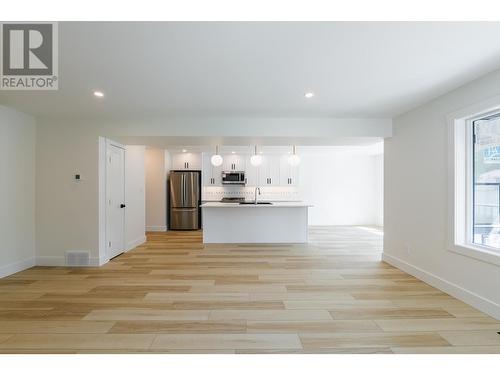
x=256 y=159
x=216 y=159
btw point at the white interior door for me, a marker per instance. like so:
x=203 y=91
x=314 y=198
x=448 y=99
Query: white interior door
x=115 y=197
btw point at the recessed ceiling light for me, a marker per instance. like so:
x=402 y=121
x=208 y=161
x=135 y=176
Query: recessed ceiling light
x=309 y=95
x=184 y=150
x=232 y=152
x=99 y=94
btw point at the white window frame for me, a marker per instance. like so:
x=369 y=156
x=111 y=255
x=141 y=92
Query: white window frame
x=460 y=181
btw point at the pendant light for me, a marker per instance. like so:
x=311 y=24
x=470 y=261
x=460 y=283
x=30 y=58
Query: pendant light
x=256 y=159
x=216 y=159
x=294 y=159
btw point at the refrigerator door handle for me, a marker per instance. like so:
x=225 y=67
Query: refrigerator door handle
x=183 y=183
x=184 y=192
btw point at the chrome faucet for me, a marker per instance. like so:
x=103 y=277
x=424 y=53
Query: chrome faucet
x=256 y=189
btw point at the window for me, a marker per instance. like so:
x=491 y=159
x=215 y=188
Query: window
x=486 y=181
x=474 y=181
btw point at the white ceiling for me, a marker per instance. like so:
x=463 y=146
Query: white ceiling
x=356 y=69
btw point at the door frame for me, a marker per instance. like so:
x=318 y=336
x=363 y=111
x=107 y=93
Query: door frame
x=110 y=143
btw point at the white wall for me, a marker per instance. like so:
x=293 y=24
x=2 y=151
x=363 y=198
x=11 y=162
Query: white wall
x=66 y=212
x=17 y=191
x=415 y=206
x=156 y=193
x=135 y=200
x=342 y=186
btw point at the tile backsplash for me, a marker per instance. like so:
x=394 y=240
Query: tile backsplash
x=278 y=193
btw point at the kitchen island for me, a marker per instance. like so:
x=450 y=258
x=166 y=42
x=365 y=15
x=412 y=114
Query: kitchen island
x=278 y=222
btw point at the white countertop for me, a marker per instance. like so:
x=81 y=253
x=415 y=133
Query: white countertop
x=237 y=205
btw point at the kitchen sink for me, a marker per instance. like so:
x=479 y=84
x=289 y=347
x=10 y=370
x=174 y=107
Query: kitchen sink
x=248 y=203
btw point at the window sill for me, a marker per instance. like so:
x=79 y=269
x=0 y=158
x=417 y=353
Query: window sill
x=477 y=252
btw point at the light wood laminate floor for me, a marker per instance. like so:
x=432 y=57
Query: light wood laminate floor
x=173 y=294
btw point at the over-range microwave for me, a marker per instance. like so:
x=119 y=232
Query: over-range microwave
x=233 y=178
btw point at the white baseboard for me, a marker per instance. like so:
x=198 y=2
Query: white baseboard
x=135 y=243
x=15 y=267
x=156 y=228
x=103 y=261
x=483 y=304
x=50 y=261
x=54 y=261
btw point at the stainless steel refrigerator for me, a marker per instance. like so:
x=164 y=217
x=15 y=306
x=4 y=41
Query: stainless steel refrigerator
x=184 y=200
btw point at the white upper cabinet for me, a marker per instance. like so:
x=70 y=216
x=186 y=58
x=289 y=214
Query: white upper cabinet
x=274 y=170
x=211 y=175
x=269 y=170
x=233 y=162
x=251 y=173
x=289 y=176
x=186 y=160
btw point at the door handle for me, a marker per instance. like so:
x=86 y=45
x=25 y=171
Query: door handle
x=122 y=205
x=182 y=189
